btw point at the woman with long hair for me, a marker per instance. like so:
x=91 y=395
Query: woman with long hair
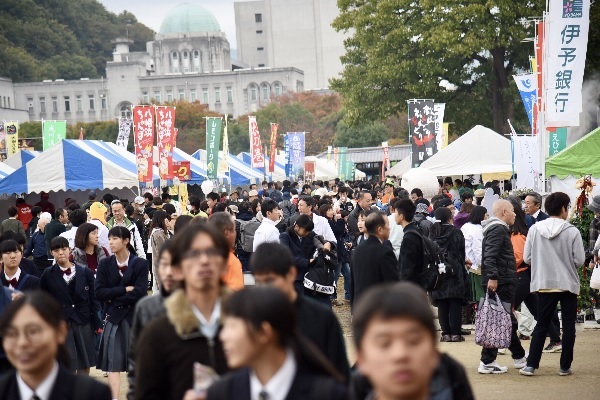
x=33 y=335
x=449 y=298
x=159 y=234
x=87 y=251
x=473 y=233
x=121 y=280
x=260 y=340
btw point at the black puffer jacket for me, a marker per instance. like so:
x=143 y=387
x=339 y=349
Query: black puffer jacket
x=497 y=258
x=455 y=286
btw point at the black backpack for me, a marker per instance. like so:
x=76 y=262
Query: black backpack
x=321 y=273
x=434 y=257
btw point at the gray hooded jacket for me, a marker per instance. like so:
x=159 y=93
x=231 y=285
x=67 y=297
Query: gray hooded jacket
x=554 y=249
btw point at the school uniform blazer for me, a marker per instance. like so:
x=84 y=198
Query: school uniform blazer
x=110 y=287
x=83 y=308
x=306 y=386
x=66 y=387
x=26 y=282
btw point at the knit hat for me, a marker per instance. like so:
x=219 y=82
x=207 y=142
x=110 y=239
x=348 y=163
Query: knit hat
x=97 y=211
x=595 y=204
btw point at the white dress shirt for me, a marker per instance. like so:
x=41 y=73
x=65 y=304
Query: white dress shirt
x=322 y=228
x=209 y=328
x=396 y=235
x=44 y=390
x=279 y=385
x=66 y=277
x=266 y=232
x=473 y=234
x=70 y=236
x=17 y=275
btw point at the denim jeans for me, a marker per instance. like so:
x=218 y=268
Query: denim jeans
x=546 y=305
x=343 y=268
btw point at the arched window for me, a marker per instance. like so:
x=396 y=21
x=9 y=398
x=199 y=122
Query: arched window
x=196 y=54
x=174 y=55
x=185 y=55
x=125 y=109
x=253 y=92
x=277 y=88
x=265 y=91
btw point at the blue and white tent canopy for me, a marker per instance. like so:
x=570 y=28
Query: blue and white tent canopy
x=73 y=165
x=277 y=175
x=240 y=172
x=5 y=170
x=199 y=174
x=21 y=158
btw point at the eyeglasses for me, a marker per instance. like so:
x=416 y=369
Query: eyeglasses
x=32 y=334
x=197 y=253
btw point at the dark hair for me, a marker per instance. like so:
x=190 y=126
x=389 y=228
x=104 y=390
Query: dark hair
x=77 y=217
x=422 y=200
x=324 y=208
x=308 y=200
x=122 y=233
x=13 y=211
x=183 y=240
x=342 y=189
x=244 y=207
x=158 y=220
x=157 y=201
x=417 y=191
x=555 y=202
x=407 y=208
x=477 y=215
x=169 y=209
x=219 y=207
x=458 y=181
x=537 y=198
x=47 y=307
x=8 y=246
x=271 y=258
x=259 y=304
x=467 y=207
x=36 y=211
x=129 y=210
x=374 y=221
x=366 y=212
x=520 y=225
x=82 y=235
x=213 y=196
x=16 y=236
x=389 y=301
x=305 y=222
x=448 y=181
x=467 y=194
x=194 y=202
x=443 y=214
x=165 y=197
x=305 y=186
x=20 y=200
x=59 y=242
x=203 y=206
x=222 y=220
x=108 y=198
x=393 y=201
x=59 y=213
x=181 y=222
x=254 y=206
x=148 y=196
x=268 y=205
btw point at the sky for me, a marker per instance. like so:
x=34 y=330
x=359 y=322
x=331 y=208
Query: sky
x=152 y=12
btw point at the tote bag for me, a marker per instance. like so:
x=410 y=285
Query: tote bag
x=492 y=324
x=595 y=278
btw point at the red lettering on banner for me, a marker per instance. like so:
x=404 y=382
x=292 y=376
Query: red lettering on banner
x=165 y=130
x=258 y=160
x=143 y=125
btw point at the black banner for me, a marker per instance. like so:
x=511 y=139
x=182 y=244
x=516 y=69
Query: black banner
x=421 y=128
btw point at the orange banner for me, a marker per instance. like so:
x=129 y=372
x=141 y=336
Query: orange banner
x=143 y=127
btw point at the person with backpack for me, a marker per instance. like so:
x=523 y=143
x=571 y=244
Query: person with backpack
x=420 y=218
x=411 y=251
x=451 y=295
x=288 y=208
x=245 y=226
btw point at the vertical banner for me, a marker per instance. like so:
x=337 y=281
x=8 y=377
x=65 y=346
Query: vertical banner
x=273 y=153
x=342 y=152
x=558 y=140
x=165 y=140
x=124 y=131
x=385 y=165
x=143 y=134
x=527 y=85
x=526 y=161
x=2 y=142
x=296 y=143
x=213 y=139
x=336 y=154
x=258 y=159
x=421 y=126
x=53 y=132
x=309 y=171
x=568 y=26
x=350 y=170
x=329 y=149
x=445 y=127
x=224 y=165
x=11 y=129
x=439 y=110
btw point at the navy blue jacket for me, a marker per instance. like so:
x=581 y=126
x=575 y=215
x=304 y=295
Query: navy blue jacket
x=530 y=221
x=26 y=282
x=29 y=267
x=83 y=308
x=37 y=246
x=302 y=252
x=110 y=287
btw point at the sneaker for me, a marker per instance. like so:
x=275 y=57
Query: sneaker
x=446 y=338
x=520 y=363
x=553 y=347
x=457 y=338
x=465 y=332
x=491 y=368
x=564 y=372
x=527 y=371
x=502 y=351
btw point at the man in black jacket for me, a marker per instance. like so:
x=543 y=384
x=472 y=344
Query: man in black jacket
x=411 y=249
x=373 y=262
x=365 y=200
x=300 y=240
x=533 y=209
x=272 y=265
x=499 y=274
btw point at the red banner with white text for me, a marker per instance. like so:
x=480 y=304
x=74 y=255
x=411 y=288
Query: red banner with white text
x=273 y=154
x=143 y=129
x=165 y=140
x=258 y=159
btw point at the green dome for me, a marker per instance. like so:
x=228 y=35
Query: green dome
x=189 y=18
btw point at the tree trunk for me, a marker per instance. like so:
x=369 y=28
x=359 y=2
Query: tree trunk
x=502 y=108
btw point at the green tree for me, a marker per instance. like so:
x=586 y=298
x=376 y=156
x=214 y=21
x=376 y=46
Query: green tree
x=370 y=134
x=402 y=49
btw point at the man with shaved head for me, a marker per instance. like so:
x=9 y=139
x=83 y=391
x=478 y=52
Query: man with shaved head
x=499 y=274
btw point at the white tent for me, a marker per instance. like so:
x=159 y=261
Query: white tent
x=400 y=168
x=479 y=151
x=327 y=170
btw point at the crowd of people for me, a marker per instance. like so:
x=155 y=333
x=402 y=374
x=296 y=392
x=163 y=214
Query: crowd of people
x=233 y=296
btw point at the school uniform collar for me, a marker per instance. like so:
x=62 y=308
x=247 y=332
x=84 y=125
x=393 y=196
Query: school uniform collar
x=278 y=387
x=16 y=276
x=44 y=390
